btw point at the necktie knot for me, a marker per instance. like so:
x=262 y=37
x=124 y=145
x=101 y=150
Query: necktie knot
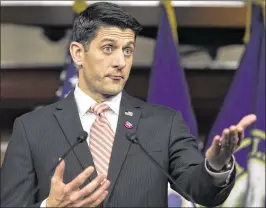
x=99 y=108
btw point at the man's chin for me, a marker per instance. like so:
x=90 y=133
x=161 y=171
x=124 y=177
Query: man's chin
x=112 y=92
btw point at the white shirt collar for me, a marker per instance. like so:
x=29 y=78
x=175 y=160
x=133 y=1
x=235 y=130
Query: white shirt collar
x=84 y=101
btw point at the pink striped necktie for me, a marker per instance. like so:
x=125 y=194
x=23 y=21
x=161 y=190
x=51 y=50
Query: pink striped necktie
x=101 y=138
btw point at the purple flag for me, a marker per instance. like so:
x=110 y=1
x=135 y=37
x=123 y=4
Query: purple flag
x=168 y=85
x=244 y=97
x=255 y=196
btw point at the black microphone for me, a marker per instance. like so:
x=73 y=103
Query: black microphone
x=80 y=139
x=133 y=138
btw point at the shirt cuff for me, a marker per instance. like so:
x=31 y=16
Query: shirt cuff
x=43 y=204
x=222 y=178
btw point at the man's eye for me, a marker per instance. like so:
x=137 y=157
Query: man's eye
x=128 y=52
x=107 y=49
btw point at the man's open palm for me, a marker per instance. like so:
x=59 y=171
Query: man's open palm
x=223 y=147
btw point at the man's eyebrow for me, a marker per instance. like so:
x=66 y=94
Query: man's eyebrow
x=108 y=40
x=114 y=41
x=131 y=43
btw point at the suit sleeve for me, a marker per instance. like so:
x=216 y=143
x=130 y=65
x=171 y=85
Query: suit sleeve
x=18 y=178
x=187 y=167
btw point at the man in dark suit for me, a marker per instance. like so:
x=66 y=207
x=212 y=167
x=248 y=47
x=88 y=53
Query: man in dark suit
x=117 y=173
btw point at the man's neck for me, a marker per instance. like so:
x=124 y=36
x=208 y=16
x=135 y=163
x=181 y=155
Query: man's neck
x=99 y=98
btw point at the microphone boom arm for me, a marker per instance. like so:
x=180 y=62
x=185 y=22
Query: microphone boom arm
x=132 y=138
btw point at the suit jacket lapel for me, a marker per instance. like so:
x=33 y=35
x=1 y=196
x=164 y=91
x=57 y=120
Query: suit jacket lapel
x=121 y=144
x=68 y=118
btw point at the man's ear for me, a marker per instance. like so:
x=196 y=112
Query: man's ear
x=77 y=52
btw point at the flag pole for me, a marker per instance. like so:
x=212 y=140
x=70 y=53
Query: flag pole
x=249 y=16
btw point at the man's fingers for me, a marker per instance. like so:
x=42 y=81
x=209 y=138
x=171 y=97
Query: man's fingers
x=89 y=188
x=73 y=203
x=59 y=172
x=216 y=144
x=233 y=139
x=96 y=197
x=240 y=135
x=100 y=199
x=225 y=138
x=247 y=120
x=79 y=180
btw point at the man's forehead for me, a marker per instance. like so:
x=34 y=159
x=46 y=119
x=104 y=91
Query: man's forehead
x=115 y=33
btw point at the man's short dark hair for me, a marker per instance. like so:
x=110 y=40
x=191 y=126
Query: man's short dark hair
x=100 y=14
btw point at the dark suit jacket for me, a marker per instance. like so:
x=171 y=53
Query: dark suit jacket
x=40 y=137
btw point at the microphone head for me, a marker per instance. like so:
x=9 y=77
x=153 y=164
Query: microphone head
x=82 y=136
x=132 y=137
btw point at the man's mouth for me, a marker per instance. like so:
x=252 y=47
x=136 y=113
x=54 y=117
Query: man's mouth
x=115 y=77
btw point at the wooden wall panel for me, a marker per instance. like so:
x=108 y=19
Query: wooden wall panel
x=29 y=83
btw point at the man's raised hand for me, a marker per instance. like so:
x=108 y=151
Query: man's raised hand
x=223 y=147
x=70 y=195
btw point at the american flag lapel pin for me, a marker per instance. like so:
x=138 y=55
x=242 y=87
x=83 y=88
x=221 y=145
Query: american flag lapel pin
x=129 y=113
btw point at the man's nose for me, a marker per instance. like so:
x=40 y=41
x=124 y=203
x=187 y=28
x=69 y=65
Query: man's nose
x=119 y=61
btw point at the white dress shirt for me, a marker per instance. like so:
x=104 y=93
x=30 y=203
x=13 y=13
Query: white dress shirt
x=84 y=102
